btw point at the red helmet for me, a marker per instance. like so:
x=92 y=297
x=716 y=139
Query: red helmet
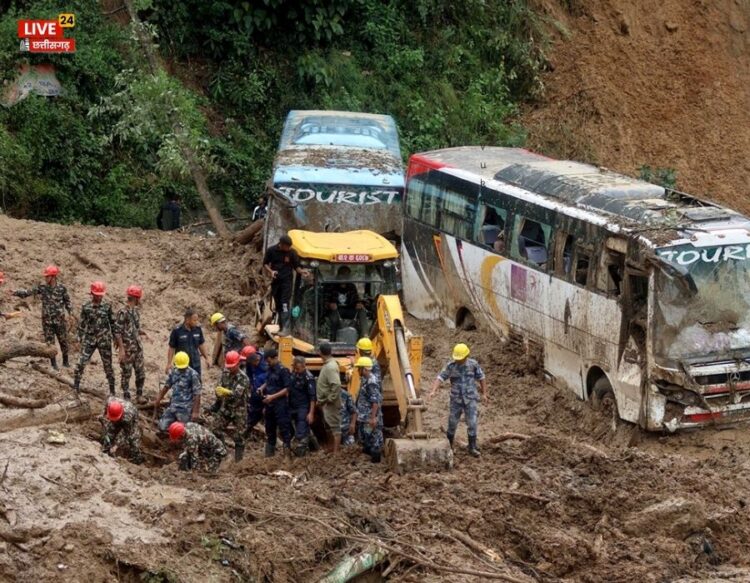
x=232 y=359
x=134 y=291
x=115 y=410
x=98 y=288
x=176 y=431
x=2 y=277
x=247 y=352
x=51 y=271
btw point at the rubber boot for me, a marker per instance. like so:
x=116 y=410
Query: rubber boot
x=66 y=363
x=301 y=450
x=53 y=363
x=285 y=320
x=473 y=449
x=270 y=450
x=77 y=386
x=137 y=459
x=125 y=395
x=287 y=451
x=239 y=451
x=450 y=439
x=375 y=456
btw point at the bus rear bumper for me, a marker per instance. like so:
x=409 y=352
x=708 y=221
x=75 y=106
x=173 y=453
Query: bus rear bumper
x=693 y=417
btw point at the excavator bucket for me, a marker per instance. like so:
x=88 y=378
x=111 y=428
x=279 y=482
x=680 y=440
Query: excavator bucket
x=406 y=455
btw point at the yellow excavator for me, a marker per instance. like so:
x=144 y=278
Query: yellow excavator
x=350 y=291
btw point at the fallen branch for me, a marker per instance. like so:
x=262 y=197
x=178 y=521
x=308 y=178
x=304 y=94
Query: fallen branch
x=87 y=262
x=61 y=378
x=11 y=401
x=55 y=413
x=27 y=349
x=476 y=546
x=204 y=223
x=22 y=535
x=5 y=471
x=352 y=567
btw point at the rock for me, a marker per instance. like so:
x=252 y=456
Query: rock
x=624 y=26
x=68 y=548
x=530 y=473
x=676 y=516
x=671 y=26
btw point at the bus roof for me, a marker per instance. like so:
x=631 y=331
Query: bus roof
x=349 y=247
x=339 y=147
x=659 y=215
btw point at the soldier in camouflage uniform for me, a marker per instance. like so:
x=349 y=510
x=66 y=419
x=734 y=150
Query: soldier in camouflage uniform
x=128 y=337
x=228 y=335
x=203 y=450
x=230 y=407
x=348 y=418
x=369 y=410
x=55 y=302
x=120 y=422
x=463 y=373
x=95 y=333
x=185 y=384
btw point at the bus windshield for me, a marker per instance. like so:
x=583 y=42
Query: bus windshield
x=705 y=310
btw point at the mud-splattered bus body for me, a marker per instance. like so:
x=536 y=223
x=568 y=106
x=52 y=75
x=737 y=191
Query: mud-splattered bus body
x=632 y=295
x=336 y=171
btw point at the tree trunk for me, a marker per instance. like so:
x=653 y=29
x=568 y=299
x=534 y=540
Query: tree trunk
x=11 y=401
x=199 y=177
x=9 y=351
x=247 y=234
x=55 y=413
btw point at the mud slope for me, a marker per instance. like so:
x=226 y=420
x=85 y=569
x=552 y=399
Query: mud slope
x=576 y=499
x=658 y=82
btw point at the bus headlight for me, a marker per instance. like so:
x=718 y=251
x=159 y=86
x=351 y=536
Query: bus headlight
x=387 y=263
x=315 y=264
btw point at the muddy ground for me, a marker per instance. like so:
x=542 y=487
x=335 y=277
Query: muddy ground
x=578 y=499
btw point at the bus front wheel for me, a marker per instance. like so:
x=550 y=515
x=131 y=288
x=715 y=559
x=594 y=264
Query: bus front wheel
x=603 y=397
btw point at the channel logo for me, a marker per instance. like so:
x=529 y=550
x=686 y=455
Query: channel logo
x=47 y=36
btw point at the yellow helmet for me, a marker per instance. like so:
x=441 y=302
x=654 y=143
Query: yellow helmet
x=460 y=351
x=181 y=360
x=364 y=344
x=364 y=362
x=216 y=318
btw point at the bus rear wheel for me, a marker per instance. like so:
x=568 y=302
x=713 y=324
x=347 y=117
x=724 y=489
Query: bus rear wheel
x=603 y=397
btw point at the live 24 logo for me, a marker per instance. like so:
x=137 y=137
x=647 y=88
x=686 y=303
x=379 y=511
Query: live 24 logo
x=47 y=36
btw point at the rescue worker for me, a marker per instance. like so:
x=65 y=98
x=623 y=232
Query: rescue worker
x=302 y=399
x=55 y=302
x=188 y=338
x=230 y=407
x=185 y=404
x=329 y=393
x=120 y=422
x=364 y=348
x=128 y=337
x=463 y=373
x=369 y=410
x=257 y=371
x=95 y=333
x=281 y=261
x=168 y=218
x=348 y=418
x=261 y=210
x=203 y=450
x=228 y=335
x=275 y=398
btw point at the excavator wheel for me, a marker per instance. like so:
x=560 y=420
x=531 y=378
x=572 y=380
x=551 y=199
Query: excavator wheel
x=406 y=455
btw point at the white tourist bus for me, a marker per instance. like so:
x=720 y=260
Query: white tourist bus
x=633 y=296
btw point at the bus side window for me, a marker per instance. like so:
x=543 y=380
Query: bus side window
x=564 y=254
x=582 y=265
x=613 y=272
x=431 y=203
x=532 y=240
x=492 y=233
x=414 y=197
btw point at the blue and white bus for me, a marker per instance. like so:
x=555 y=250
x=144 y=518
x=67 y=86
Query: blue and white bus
x=633 y=296
x=336 y=171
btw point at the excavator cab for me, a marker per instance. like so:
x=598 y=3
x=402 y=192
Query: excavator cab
x=349 y=290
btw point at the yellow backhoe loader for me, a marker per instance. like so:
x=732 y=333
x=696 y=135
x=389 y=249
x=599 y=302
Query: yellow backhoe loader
x=349 y=292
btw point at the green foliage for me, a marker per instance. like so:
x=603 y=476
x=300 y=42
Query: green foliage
x=666 y=177
x=451 y=73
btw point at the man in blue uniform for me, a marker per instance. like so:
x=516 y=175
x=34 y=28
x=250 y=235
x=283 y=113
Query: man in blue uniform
x=302 y=399
x=275 y=398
